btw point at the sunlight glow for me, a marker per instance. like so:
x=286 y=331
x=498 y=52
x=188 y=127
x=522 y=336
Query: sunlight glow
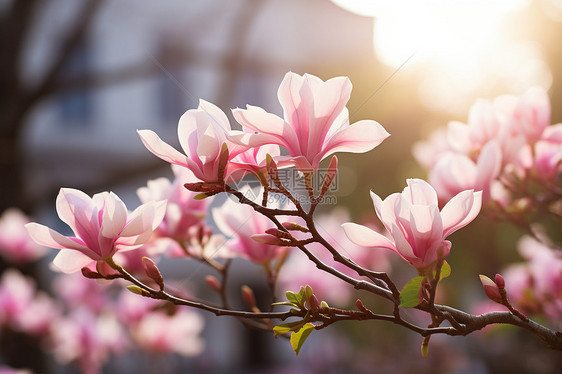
x=461 y=47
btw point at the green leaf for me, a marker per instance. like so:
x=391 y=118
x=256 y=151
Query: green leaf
x=287 y=303
x=324 y=304
x=298 y=338
x=292 y=297
x=445 y=270
x=200 y=196
x=409 y=295
x=286 y=327
x=300 y=296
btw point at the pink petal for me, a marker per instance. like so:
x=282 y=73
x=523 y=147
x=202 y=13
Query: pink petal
x=460 y=211
x=330 y=99
x=69 y=261
x=365 y=237
x=70 y=202
x=114 y=216
x=488 y=167
x=161 y=149
x=47 y=237
x=145 y=218
x=419 y=192
x=360 y=137
x=385 y=209
x=218 y=117
x=209 y=143
x=426 y=227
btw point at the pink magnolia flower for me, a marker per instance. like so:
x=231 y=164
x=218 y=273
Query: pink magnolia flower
x=102 y=226
x=158 y=332
x=315 y=124
x=528 y=114
x=455 y=172
x=22 y=306
x=202 y=134
x=417 y=227
x=182 y=210
x=87 y=339
x=241 y=222
x=15 y=245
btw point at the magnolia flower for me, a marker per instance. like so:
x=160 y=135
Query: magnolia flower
x=417 y=228
x=202 y=135
x=182 y=210
x=315 y=124
x=102 y=226
x=241 y=223
x=159 y=332
x=455 y=172
x=15 y=245
x=22 y=306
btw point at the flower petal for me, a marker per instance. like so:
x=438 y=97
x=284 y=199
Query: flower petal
x=460 y=211
x=365 y=237
x=360 y=137
x=161 y=149
x=69 y=261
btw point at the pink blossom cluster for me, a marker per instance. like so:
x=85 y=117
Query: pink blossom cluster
x=505 y=144
x=315 y=125
x=536 y=285
x=16 y=247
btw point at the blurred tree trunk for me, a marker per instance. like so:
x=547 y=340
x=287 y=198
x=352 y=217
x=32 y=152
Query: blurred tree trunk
x=16 y=99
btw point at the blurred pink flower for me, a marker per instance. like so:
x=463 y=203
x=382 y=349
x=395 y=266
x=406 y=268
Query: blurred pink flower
x=87 y=339
x=182 y=211
x=417 y=227
x=240 y=222
x=102 y=227
x=22 y=307
x=159 y=332
x=455 y=172
x=78 y=291
x=315 y=124
x=202 y=133
x=15 y=244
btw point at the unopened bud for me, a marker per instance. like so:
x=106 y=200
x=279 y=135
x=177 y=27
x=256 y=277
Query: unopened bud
x=87 y=273
x=500 y=282
x=151 y=270
x=213 y=283
x=313 y=302
x=249 y=297
x=360 y=306
x=491 y=288
x=136 y=290
x=267 y=239
x=278 y=233
x=291 y=226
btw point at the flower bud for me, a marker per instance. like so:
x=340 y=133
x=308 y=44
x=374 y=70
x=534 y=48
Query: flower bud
x=500 y=282
x=213 y=283
x=291 y=226
x=278 y=233
x=249 y=297
x=267 y=239
x=87 y=273
x=491 y=289
x=151 y=271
